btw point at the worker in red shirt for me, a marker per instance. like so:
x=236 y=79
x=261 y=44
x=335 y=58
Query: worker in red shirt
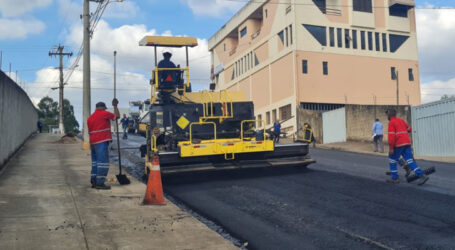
x=99 y=128
x=400 y=145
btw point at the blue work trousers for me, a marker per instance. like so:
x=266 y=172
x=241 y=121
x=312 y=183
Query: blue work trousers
x=406 y=152
x=100 y=162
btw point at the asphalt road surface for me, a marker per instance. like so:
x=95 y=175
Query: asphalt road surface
x=342 y=202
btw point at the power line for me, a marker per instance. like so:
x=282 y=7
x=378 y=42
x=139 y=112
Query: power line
x=336 y=5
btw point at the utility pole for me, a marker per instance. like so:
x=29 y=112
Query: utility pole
x=59 y=52
x=1 y=59
x=375 y=105
x=86 y=104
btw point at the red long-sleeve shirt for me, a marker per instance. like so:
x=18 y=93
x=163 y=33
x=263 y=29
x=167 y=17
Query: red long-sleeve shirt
x=398 y=133
x=99 y=126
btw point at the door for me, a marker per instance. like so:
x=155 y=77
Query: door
x=334 y=126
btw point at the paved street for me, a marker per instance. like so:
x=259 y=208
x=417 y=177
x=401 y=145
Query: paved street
x=342 y=202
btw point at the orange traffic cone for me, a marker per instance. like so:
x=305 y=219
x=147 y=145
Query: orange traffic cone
x=154 y=192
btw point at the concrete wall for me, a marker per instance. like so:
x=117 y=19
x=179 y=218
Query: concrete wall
x=18 y=117
x=360 y=119
x=314 y=118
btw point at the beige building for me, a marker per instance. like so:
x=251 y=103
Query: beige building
x=318 y=55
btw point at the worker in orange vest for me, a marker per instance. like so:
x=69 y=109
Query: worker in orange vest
x=99 y=128
x=400 y=145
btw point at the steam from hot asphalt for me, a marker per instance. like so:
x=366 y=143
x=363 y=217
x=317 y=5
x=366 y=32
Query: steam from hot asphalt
x=340 y=202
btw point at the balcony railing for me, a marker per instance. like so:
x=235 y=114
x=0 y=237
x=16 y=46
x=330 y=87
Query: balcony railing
x=329 y=11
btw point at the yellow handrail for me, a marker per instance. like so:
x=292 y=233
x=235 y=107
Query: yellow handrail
x=187 y=69
x=244 y=121
x=202 y=123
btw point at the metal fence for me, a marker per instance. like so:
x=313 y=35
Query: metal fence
x=434 y=128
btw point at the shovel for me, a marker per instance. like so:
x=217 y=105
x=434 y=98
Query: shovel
x=121 y=178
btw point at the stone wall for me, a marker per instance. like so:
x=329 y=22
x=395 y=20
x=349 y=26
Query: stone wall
x=314 y=118
x=360 y=119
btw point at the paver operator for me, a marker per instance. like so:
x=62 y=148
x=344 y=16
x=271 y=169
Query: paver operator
x=99 y=128
x=400 y=145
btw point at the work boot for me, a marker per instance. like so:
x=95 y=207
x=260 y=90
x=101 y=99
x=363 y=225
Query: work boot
x=424 y=178
x=103 y=187
x=407 y=169
x=394 y=181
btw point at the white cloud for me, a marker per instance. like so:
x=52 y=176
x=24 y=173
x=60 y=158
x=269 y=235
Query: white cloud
x=122 y=10
x=13 y=8
x=213 y=8
x=434 y=90
x=19 y=29
x=134 y=65
x=436 y=34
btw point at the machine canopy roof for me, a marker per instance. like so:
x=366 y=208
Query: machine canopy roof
x=168 y=41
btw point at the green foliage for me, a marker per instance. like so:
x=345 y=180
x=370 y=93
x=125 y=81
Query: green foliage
x=48 y=113
x=445 y=97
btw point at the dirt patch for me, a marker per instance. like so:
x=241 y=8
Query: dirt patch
x=67 y=140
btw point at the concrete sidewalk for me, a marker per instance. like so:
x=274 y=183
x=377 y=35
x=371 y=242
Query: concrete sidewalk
x=46 y=202
x=367 y=148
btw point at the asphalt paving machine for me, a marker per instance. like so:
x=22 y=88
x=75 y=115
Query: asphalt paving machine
x=207 y=129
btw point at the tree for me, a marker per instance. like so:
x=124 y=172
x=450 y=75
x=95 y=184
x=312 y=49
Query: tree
x=445 y=97
x=48 y=113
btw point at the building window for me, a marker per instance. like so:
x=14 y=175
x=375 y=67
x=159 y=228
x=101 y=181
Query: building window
x=266 y=13
x=370 y=40
x=363 y=5
x=321 y=4
x=290 y=34
x=347 y=39
x=224 y=45
x=384 y=42
x=274 y=115
x=411 y=75
x=325 y=68
x=354 y=39
x=281 y=36
x=267 y=118
x=398 y=10
x=287 y=36
x=396 y=41
x=393 y=73
x=243 y=32
x=318 y=32
x=332 y=36
x=362 y=40
x=304 y=66
x=377 y=41
x=339 y=37
x=285 y=112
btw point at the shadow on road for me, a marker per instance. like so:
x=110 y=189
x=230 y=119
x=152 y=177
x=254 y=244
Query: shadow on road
x=199 y=176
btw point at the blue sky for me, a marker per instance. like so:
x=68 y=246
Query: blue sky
x=30 y=28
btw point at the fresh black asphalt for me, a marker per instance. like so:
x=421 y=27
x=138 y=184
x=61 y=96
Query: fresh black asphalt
x=342 y=202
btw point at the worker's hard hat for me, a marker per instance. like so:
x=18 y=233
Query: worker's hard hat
x=167 y=54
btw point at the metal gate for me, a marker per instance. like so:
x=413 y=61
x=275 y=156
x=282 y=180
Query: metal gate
x=433 y=127
x=334 y=126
